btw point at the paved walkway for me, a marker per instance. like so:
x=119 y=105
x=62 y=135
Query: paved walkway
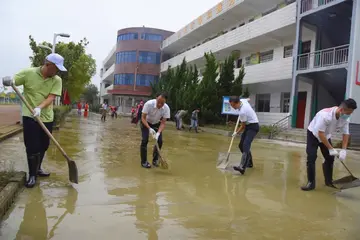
x=9 y=114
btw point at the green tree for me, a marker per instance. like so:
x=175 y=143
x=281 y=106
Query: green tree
x=91 y=94
x=246 y=93
x=80 y=65
x=207 y=94
x=226 y=79
x=237 y=89
x=187 y=92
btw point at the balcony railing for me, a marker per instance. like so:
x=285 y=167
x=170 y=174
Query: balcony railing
x=307 y=5
x=324 y=58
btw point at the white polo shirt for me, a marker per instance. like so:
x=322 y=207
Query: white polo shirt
x=247 y=113
x=325 y=121
x=153 y=114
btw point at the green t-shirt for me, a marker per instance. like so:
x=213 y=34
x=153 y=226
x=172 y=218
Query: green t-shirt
x=37 y=89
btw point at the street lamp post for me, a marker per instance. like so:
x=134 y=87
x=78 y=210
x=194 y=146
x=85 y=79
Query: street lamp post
x=65 y=35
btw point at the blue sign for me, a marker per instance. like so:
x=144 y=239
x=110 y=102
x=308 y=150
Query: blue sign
x=226 y=107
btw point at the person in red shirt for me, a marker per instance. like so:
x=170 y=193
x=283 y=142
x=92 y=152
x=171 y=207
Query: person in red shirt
x=79 y=108
x=86 y=112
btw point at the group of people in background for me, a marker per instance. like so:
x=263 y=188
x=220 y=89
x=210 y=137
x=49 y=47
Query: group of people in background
x=179 y=117
x=84 y=106
x=104 y=110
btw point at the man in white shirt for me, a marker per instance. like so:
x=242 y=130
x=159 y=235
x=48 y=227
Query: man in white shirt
x=326 y=122
x=154 y=115
x=250 y=125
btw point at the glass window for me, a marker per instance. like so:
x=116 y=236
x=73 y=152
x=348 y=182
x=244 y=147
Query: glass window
x=151 y=37
x=126 y=57
x=124 y=79
x=288 y=51
x=149 y=57
x=266 y=56
x=127 y=36
x=146 y=80
x=285 y=102
x=263 y=102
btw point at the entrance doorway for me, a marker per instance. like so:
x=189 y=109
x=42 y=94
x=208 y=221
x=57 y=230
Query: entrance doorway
x=301 y=107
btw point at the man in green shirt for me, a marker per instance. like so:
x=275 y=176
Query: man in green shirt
x=41 y=86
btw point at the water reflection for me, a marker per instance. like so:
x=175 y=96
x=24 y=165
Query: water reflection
x=193 y=200
x=70 y=203
x=34 y=224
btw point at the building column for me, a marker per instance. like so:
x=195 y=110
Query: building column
x=353 y=76
x=295 y=80
x=314 y=99
x=294 y=100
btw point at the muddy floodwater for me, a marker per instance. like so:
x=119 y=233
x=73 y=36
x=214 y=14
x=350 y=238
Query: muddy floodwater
x=117 y=199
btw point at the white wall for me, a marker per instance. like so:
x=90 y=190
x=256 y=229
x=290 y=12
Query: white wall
x=275 y=88
x=269 y=23
x=325 y=100
x=353 y=79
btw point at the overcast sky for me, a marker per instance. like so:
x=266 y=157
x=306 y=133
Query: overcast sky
x=97 y=20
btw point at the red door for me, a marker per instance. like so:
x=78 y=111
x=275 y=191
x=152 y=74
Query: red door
x=301 y=106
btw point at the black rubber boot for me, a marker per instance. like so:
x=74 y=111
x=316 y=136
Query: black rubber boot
x=311 y=178
x=41 y=172
x=196 y=130
x=146 y=165
x=250 y=162
x=189 y=129
x=155 y=161
x=33 y=163
x=243 y=164
x=328 y=173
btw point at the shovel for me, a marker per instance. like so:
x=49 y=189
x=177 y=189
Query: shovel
x=163 y=163
x=347 y=181
x=223 y=158
x=73 y=172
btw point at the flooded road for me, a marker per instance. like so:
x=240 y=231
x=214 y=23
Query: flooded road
x=117 y=199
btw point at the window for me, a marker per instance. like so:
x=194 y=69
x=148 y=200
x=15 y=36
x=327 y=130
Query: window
x=126 y=57
x=266 y=56
x=149 y=57
x=285 y=102
x=124 y=79
x=146 y=80
x=288 y=51
x=263 y=102
x=151 y=37
x=127 y=36
x=239 y=63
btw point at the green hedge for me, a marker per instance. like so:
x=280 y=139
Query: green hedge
x=59 y=113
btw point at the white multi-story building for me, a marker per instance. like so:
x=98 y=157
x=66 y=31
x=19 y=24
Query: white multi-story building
x=269 y=34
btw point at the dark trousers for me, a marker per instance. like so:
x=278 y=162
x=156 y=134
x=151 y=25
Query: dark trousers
x=251 y=130
x=35 y=139
x=312 y=145
x=145 y=140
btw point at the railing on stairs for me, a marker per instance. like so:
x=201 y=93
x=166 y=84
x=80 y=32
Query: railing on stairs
x=279 y=126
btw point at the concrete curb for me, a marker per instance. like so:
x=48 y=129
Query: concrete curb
x=11 y=133
x=10 y=191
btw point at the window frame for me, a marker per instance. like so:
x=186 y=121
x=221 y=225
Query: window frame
x=126 y=79
x=128 y=36
x=287 y=53
x=126 y=57
x=147 y=57
x=285 y=108
x=151 y=37
x=263 y=97
x=266 y=56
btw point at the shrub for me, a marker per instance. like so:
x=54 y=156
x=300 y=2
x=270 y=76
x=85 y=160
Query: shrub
x=59 y=113
x=95 y=108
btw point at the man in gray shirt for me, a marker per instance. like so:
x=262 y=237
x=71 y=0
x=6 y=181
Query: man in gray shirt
x=180 y=115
